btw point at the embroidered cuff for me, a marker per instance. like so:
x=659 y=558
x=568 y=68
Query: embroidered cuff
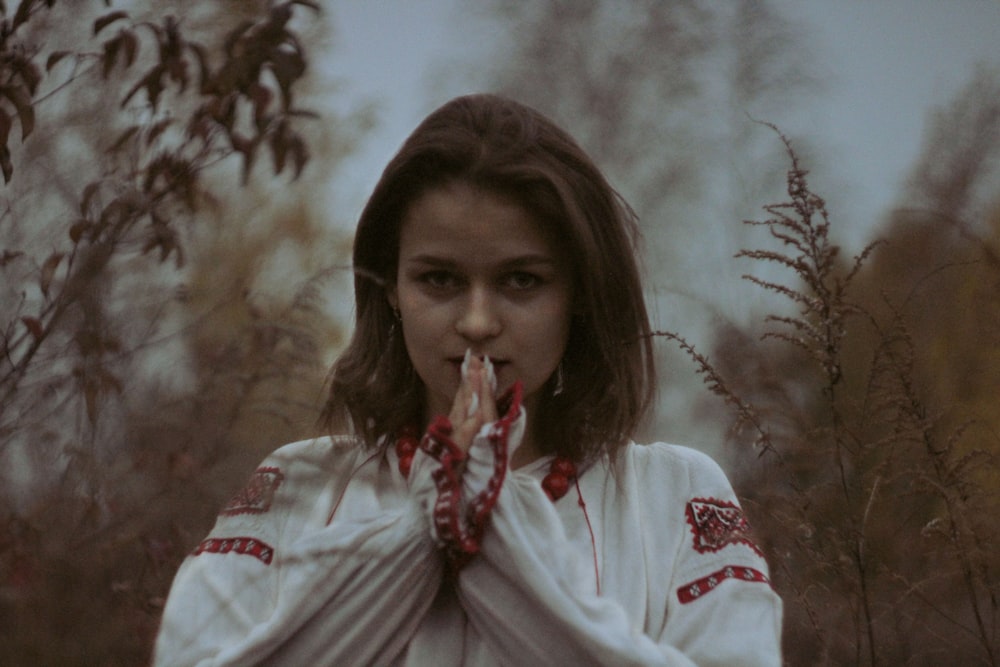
x=488 y=460
x=460 y=516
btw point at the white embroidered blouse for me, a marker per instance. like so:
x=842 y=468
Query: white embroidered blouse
x=331 y=556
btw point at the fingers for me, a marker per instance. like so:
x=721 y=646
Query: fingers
x=465 y=411
x=488 y=399
x=466 y=399
x=475 y=402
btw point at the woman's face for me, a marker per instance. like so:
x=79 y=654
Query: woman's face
x=476 y=272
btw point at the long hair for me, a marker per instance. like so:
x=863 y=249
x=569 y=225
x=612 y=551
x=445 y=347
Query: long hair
x=503 y=147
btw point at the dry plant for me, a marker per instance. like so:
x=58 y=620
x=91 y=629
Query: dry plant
x=872 y=500
x=134 y=396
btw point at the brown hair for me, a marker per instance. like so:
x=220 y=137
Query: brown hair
x=503 y=147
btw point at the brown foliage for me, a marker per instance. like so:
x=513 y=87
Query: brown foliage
x=872 y=405
x=139 y=382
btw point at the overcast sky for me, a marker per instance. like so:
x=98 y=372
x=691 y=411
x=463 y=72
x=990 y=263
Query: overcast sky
x=885 y=65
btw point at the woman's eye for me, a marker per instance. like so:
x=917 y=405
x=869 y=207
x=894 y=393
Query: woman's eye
x=521 y=280
x=439 y=279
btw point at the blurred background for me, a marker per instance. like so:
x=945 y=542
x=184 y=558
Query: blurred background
x=181 y=187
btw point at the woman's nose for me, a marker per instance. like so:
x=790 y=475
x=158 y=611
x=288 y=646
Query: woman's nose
x=478 y=318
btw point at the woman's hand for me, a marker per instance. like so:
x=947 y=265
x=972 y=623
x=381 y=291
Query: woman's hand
x=475 y=403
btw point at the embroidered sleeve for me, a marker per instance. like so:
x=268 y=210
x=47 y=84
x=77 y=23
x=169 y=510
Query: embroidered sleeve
x=256 y=497
x=721 y=604
x=246 y=538
x=719 y=545
x=283 y=581
x=715 y=525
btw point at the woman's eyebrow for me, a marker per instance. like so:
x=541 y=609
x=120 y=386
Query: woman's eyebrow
x=430 y=260
x=532 y=259
x=528 y=260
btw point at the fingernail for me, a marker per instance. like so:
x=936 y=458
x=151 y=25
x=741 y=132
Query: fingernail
x=491 y=376
x=465 y=364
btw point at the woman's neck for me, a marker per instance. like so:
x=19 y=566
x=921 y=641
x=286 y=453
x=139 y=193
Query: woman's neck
x=525 y=454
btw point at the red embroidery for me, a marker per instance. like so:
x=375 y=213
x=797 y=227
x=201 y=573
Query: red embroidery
x=696 y=589
x=716 y=524
x=460 y=538
x=257 y=495
x=246 y=546
x=482 y=504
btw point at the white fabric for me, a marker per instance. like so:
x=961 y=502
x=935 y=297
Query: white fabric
x=368 y=587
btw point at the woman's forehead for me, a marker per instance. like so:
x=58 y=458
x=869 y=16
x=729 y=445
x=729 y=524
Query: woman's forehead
x=462 y=219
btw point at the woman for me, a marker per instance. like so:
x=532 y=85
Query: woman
x=482 y=502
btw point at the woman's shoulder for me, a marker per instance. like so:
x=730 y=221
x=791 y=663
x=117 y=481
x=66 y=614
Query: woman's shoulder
x=302 y=466
x=289 y=482
x=322 y=451
x=681 y=466
x=667 y=454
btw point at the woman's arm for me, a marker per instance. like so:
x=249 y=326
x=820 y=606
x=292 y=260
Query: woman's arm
x=297 y=590
x=721 y=607
x=531 y=595
x=528 y=593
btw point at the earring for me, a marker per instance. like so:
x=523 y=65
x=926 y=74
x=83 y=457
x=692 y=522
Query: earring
x=396 y=319
x=559 y=380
